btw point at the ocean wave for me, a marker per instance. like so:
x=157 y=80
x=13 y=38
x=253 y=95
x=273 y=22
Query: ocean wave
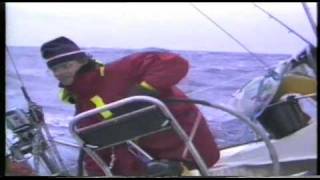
x=218 y=73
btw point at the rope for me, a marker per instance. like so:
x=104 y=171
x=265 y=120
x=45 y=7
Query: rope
x=297 y=98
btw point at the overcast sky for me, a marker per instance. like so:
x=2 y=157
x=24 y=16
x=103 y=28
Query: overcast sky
x=165 y=25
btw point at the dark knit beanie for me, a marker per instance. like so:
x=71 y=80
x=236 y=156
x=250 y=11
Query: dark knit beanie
x=61 y=50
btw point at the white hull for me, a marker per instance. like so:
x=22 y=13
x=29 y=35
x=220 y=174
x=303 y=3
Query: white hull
x=297 y=154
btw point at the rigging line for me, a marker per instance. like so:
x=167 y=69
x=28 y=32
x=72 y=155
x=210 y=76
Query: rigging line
x=14 y=65
x=283 y=24
x=232 y=37
x=312 y=23
x=211 y=87
x=24 y=91
x=297 y=98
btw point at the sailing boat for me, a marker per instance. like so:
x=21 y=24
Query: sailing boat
x=247 y=160
x=285 y=121
x=294 y=138
x=295 y=147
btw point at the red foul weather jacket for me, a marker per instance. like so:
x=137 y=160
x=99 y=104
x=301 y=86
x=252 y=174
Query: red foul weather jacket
x=161 y=71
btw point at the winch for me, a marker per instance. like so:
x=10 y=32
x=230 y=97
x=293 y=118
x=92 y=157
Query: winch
x=32 y=136
x=283 y=118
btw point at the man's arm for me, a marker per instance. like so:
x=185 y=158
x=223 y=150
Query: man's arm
x=157 y=70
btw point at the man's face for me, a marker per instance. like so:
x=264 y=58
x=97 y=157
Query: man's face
x=65 y=72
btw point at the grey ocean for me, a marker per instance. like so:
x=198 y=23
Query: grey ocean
x=213 y=76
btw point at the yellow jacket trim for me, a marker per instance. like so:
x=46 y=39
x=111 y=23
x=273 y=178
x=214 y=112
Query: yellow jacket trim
x=101 y=71
x=98 y=102
x=65 y=96
x=147 y=86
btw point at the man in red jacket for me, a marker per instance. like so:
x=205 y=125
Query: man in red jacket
x=89 y=84
x=14 y=168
